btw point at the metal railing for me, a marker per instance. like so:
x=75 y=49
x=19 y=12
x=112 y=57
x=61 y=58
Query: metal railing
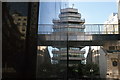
x=101 y=29
x=69 y=9
x=89 y=29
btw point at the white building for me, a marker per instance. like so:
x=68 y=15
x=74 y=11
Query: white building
x=112 y=57
x=71 y=25
x=111 y=25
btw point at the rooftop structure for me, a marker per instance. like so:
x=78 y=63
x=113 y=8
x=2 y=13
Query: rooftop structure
x=70 y=22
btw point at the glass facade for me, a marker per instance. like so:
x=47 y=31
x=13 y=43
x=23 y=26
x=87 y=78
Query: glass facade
x=58 y=46
x=18 y=57
x=66 y=42
x=62 y=57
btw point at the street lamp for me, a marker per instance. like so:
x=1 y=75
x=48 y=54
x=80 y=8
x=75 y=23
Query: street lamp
x=91 y=71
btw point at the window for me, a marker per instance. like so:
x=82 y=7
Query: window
x=114 y=63
x=23 y=29
x=25 y=19
x=18 y=23
x=112 y=48
x=19 y=19
x=24 y=23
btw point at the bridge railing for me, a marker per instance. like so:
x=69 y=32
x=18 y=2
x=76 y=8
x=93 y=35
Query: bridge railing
x=101 y=28
x=89 y=29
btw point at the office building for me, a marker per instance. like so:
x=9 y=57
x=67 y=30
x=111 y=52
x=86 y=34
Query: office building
x=70 y=23
x=111 y=26
x=43 y=61
x=18 y=50
x=107 y=58
x=93 y=55
x=21 y=22
x=112 y=57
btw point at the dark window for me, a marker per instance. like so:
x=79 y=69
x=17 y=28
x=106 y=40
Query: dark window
x=112 y=48
x=25 y=19
x=18 y=23
x=24 y=23
x=118 y=47
x=114 y=63
x=19 y=19
x=23 y=29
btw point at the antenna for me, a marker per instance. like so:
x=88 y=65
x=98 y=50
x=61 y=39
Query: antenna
x=55 y=10
x=60 y=5
x=65 y=5
x=72 y=5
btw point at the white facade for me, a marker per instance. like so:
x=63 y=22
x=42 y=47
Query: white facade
x=111 y=25
x=102 y=63
x=68 y=25
x=118 y=9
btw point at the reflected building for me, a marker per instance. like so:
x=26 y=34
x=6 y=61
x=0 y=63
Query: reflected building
x=21 y=22
x=44 y=18
x=43 y=60
x=112 y=49
x=98 y=57
x=89 y=58
x=107 y=58
x=19 y=40
x=43 y=55
x=70 y=23
x=112 y=56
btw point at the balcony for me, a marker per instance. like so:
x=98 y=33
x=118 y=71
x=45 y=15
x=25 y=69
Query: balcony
x=69 y=26
x=70 y=58
x=55 y=20
x=69 y=20
x=76 y=58
x=69 y=10
x=76 y=51
x=73 y=20
x=70 y=51
x=70 y=15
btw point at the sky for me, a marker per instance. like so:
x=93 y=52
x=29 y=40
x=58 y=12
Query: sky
x=92 y=12
x=96 y=12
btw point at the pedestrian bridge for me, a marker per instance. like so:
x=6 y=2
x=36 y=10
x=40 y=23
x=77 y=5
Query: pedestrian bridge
x=93 y=35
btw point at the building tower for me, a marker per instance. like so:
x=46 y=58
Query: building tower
x=70 y=23
x=19 y=40
x=21 y=22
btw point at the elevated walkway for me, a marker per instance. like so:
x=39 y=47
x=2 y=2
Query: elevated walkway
x=91 y=37
x=87 y=40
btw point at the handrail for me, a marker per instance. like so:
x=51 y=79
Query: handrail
x=89 y=28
